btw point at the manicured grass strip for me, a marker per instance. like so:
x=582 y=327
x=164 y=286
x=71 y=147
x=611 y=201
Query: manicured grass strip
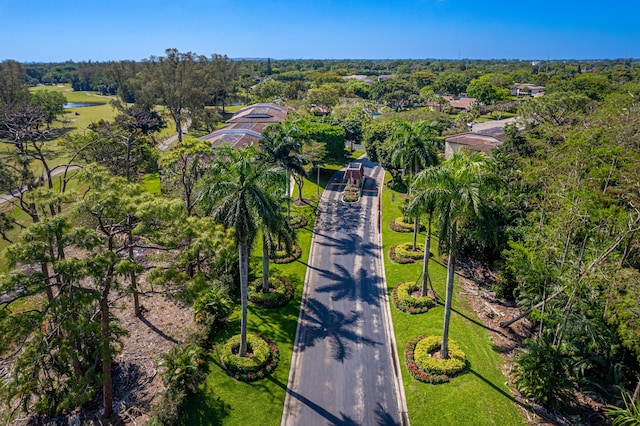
x=478 y=396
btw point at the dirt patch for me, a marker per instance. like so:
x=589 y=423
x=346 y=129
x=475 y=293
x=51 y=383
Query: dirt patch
x=137 y=380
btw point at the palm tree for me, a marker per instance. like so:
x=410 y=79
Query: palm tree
x=421 y=202
x=458 y=190
x=414 y=148
x=237 y=196
x=281 y=147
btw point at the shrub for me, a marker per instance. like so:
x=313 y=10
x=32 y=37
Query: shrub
x=214 y=306
x=406 y=250
x=402 y=253
x=283 y=256
x=541 y=371
x=456 y=362
x=182 y=375
x=183 y=368
x=399 y=225
x=351 y=195
x=405 y=302
x=415 y=371
x=298 y=221
x=280 y=296
x=398 y=259
x=264 y=359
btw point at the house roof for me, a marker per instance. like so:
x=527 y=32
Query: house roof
x=527 y=86
x=247 y=125
x=236 y=135
x=260 y=113
x=359 y=77
x=475 y=141
x=462 y=103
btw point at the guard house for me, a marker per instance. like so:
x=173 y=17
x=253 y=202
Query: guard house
x=354 y=175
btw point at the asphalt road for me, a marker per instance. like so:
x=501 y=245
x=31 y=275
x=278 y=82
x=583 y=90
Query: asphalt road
x=343 y=371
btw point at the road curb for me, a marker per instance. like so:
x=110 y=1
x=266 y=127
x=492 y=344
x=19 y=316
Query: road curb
x=388 y=323
x=295 y=356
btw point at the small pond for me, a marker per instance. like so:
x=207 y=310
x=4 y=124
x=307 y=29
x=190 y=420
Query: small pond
x=81 y=104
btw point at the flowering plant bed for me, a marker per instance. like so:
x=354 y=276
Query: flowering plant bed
x=427 y=357
x=404 y=301
x=281 y=292
x=416 y=371
x=399 y=225
x=403 y=253
x=264 y=358
x=283 y=256
x=423 y=363
x=351 y=195
x=298 y=221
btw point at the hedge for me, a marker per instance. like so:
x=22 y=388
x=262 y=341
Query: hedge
x=405 y=302
x=298 y=221
x=455 y=364
x=406 y=250
x=401 y=253
x=283 y=256
x=399 y=225
x=282 y=292
x=415 y=371
x=246 y=369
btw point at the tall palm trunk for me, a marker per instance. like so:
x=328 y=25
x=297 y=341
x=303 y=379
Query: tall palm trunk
x=243 y=259
x=425 y=264
x=416 y=229
x=265 y=263
x=444 y=348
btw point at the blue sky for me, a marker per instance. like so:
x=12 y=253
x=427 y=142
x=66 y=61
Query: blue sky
x=58 y=30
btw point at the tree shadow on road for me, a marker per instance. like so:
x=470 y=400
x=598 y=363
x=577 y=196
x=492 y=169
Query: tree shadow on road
x=350 y=245
x=320 y=323
x=359 y=286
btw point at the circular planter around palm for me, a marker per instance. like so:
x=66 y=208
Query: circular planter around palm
x=298 y=221
x=404 y=253
x=262 y=358
x=421 y=356
x=280 y=292
x=405 y=299
x=283 y=256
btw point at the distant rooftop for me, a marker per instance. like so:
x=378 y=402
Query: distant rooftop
x=247 y=125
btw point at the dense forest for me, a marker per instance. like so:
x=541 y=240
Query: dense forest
x=560 y=223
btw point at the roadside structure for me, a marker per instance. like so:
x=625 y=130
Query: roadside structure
x=354 y=175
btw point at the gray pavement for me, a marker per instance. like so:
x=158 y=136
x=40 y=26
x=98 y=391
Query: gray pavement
x=344 y=370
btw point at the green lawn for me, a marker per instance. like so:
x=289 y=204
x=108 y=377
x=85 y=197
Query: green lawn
x=477 y=397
